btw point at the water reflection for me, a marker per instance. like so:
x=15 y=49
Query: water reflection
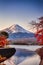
x=22 y=54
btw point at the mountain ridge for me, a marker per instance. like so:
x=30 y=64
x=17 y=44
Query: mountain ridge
x=16 y=28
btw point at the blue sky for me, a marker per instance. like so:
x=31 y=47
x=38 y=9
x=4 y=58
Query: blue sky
x=19 y=12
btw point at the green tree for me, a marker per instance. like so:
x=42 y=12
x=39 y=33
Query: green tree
x=5 y=34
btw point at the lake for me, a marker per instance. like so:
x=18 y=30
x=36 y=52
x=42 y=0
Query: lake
x=25 y=55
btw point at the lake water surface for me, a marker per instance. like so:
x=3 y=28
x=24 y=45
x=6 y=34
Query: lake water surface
x=25 y=55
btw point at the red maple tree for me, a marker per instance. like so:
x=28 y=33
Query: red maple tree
x=39 y=30
x=3 y=41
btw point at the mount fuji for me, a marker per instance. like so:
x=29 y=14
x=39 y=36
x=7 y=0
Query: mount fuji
x=18 y=34
x=16 y=28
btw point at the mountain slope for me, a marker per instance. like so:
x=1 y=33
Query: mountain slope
x=21 y=35
x=17 y=33
x=15 y=28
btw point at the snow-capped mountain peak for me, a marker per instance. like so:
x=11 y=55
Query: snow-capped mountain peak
x=15 y=28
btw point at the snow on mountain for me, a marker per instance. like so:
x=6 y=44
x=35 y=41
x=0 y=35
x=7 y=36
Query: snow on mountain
x=21 y=37
x=15 y=28
x=19 y=34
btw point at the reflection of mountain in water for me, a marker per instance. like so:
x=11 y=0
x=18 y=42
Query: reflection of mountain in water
x=23 y=56
x=24 y=52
